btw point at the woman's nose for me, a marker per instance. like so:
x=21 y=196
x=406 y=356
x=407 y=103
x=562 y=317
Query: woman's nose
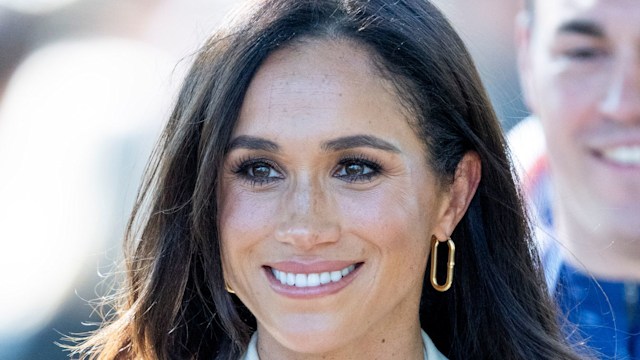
x=308 y=217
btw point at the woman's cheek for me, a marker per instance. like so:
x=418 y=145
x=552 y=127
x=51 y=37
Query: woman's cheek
x=383 y=215
x=244 y=215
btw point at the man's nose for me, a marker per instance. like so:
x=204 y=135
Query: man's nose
x=622 y=100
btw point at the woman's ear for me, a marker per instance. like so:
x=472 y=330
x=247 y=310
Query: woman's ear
x=459 y=194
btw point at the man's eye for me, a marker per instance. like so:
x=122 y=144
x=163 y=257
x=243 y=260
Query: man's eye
x=584 y=53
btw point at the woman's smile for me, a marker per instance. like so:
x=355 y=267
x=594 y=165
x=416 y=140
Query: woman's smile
x=299 y=280
x=327 y=203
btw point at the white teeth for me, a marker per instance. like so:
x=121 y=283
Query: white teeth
x=301 y=280
x=336 y=276
x=626 y=155
x=312 y=279
x=325 y=278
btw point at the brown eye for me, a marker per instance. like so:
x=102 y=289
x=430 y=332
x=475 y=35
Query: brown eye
x=260 y=170
x=354 y=169
x=357 y=170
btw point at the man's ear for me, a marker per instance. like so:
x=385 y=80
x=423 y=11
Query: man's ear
x=460 y=193
x=523 y=37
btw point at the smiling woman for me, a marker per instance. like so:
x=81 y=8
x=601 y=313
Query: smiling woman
x=318 y=154
x=327 y=206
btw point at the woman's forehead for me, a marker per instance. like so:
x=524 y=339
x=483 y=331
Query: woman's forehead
x=327 y=89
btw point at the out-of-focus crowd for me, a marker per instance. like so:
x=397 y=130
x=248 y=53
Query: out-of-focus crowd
x=85 y=87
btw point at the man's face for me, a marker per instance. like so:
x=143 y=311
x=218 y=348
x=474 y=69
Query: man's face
x=580 y=62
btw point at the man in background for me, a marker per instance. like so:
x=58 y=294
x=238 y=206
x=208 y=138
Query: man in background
x=579 y=63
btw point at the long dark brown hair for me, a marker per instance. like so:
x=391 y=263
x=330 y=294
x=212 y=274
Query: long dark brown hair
x=173 y=304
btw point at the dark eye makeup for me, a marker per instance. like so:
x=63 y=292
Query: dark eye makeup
x=355 y=169
x=257 y=171
x=261 y=171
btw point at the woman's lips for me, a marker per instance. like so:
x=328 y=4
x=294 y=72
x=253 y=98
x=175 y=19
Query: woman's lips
x=311 y=279
x=304 y=284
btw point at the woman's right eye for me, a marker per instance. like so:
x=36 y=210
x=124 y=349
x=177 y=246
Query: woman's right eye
x=259 y=172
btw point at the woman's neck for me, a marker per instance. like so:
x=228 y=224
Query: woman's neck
x=404 y=344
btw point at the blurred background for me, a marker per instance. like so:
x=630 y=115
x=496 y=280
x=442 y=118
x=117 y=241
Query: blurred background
x=85 y=88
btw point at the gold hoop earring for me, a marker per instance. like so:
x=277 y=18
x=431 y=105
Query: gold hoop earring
x=450 y=264
x=228 y=287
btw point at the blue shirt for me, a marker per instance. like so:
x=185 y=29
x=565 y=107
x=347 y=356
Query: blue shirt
x=604 y=314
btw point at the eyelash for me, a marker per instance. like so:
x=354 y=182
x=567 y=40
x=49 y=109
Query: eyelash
x=245 y=166
x=362 y=160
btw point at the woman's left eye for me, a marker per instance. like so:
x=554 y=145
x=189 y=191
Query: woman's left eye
x=352 y=170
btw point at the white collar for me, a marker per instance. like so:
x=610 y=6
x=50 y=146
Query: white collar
x=430 y=350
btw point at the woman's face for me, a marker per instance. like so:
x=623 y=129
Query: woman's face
x=327 y=204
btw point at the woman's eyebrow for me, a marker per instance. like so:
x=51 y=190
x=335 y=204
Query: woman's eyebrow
x=349 y=142
x=341 y=143
x=252 y=143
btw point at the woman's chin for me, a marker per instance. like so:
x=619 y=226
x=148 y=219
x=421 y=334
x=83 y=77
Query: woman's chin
x=309 y=340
